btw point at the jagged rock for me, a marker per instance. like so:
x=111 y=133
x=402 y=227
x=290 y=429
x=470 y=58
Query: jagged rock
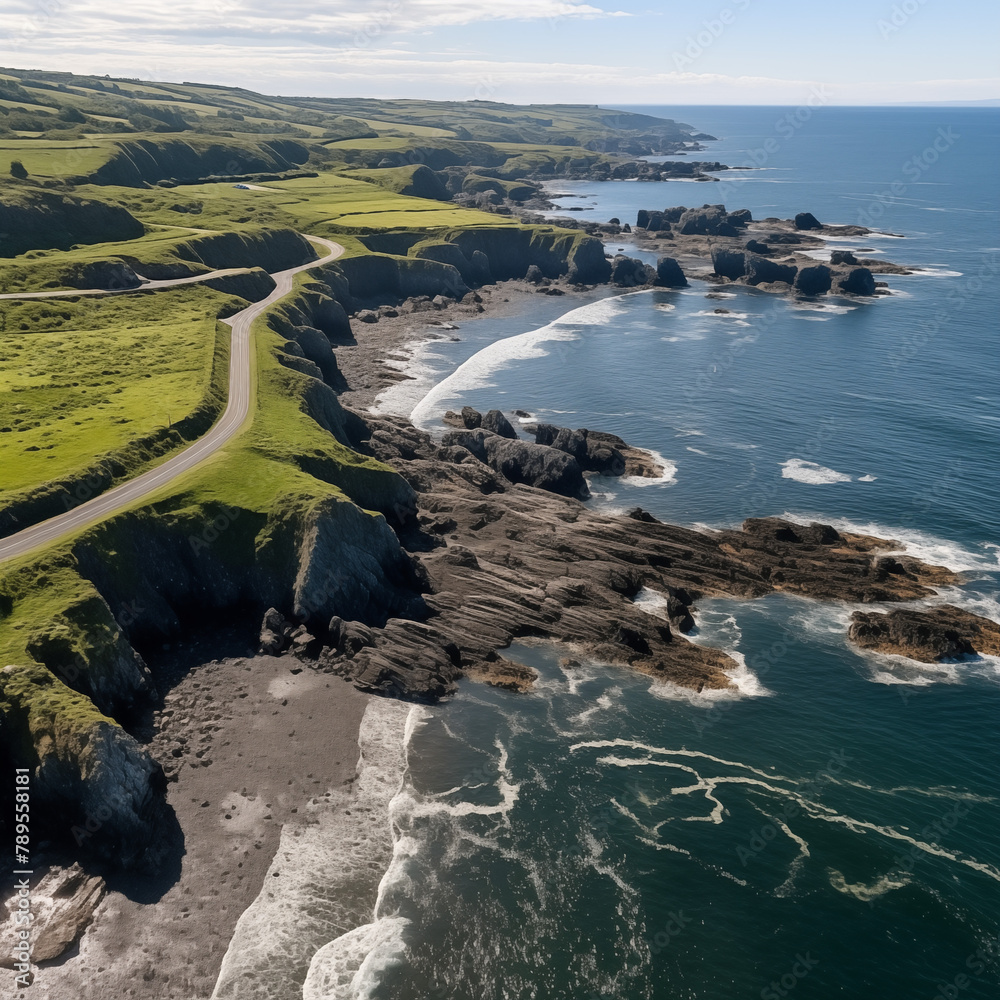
x=62 y=907
x=534 y=274
x=930 y=635
x=275 y=630
x=756 y=247
x=741 y=217
x=479 y=268
x=669 y=273
x=814 y=280
x=806 y=220
x=638 y=514
x=496 y=422
x=302 y=644
x=703 y=221
x=776 y=529
x=843 y=257
x=367 y=316
x=860 y=281
x=627 y=272
x=523 y=462
x=471 y=418
x=760 y=269
x=729 y=263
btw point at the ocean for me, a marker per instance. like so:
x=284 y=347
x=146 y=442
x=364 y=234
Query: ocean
x=831 y=827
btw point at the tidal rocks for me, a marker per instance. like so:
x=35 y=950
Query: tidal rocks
x=669 y=273
x=928 y=635
x=806 y=220
x=729 y=263
x=503 y=561
x=712 y=220
x=471 y=418
x=859 y=281
x=843 y=257
x=627 y=272
x=497 y=423
x=814 y=280
x=760 y=270
x=523 y=462
x=755 y=246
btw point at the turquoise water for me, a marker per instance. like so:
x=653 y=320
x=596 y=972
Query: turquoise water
x=832 y=829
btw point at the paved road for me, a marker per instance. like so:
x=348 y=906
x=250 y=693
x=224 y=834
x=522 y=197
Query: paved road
x=232 y=419
x=146 y=286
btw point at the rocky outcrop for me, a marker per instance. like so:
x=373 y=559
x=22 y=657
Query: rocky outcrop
x=62 y=907
x=92 y=783
x=669 y=273
x=627 y=272
x=730 y=264
x=598 y=451
x=523 y=462
x=761 y=270
x=761 y=249
x=502 y=561
x=814 y=280
x=806 y=220
x=859 y=281
x=929 y=635
x=495 y=422
x=843 y=257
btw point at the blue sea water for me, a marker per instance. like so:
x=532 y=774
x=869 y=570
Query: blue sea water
x=832 y=828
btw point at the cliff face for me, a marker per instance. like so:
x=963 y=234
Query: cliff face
x=142 y=161
x=44 y=220
x=402 y=266
x=91 y=782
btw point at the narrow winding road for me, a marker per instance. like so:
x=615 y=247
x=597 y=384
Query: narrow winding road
x=228 y=425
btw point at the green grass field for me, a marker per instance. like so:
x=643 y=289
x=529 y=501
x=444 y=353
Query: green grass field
x=81 y=379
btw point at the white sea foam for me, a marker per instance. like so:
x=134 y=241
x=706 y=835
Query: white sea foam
x=867 y=479
x=477 y=371
x=866 y=892
x=803 y=471
x=696 y=451
x=669 y=474
x=415 y=362
x=920 y=544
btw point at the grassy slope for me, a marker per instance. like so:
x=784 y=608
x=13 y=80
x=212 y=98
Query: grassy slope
x=84 y=378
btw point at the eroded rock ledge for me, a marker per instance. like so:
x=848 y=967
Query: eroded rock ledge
x=502 y=560
x=929 y=635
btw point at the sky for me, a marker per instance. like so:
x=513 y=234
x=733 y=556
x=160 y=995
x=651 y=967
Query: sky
x=528 y=51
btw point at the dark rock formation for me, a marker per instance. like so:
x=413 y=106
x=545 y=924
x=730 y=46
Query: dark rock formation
x=860 y=281
x=806 y=220
x=929 y=635
x=729 y=263
x=843 y=257
x=814 y=280
x=496 y=422
x=669 y=273
x=523 y=462
x=275 y=633
x=783 y=238
x=760 y=270
x=503 y=561
x=754 y=246
x=627 y=272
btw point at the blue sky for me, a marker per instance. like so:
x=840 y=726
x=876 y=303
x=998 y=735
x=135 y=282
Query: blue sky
x=622 y=51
